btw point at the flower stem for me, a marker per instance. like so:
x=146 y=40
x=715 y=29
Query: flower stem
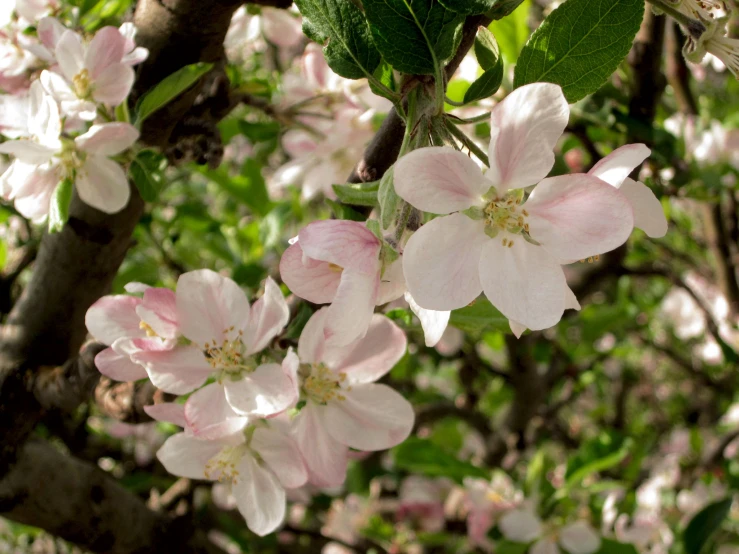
x=694 y=26
x=468 y=142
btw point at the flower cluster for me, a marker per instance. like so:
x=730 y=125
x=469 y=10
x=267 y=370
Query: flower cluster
x=256 y=418
x=63 y=124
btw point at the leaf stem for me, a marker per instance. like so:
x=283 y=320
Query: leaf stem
x=468 y=142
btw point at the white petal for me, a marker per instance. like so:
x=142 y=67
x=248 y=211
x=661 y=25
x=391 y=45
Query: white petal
x=525 y=127
x=113 y=317
x=209 y=415
x=314 y=281
x=371 y=417
x=617 y=165
x=577 y=216
x=441 y=262
x=325 y=457
x=282 y=456
x=186 y=456
x=259 y=497
x=648 y=213
x=579 y=538
x=350 y=313
x=439 y=179
x=516 y=328
x=114 y=84
x=107 y=139
x=102 y=184
x=168 y=412
x=28 y=151
x=178 y=371
x=347 y=244
x=106 y=48
x=70 y=54
x=269 y=390
x=208 y=305
x=268 y=318
x=119 y=367
x=544 y=546
x=433 y=322
x=520 y=525
x=312 y=341
x=524 y=282
x=158 y=310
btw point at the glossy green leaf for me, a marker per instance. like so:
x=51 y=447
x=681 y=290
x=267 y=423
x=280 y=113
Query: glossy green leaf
x=468 y=7
x=362 y=194
x=414 y=35
x=485 y=86
x=580 y=44
x=487 y=50
x=249 y=187
x=146 y=173
x=168 y=89
x=479 y=316
x=704 y=524
x=59 y=208
x=384 y=75
x=512 y=32
x=609 y=546
x=423 y=456
x=341 y=28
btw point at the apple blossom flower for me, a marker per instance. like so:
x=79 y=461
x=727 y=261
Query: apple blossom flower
x=344 y=407
x=225 y=335
x=714 y=40
x=522 y=525
x=278 y=26
x=258 y=463
x=422 y=499
x=91 y=73
x=132 y=54
x=490 y=241
x=485 y=501
x=45 y=158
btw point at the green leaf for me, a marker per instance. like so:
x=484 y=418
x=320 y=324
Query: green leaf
x=508 y=547
x=344 y=212
x=422 y=456
x=609 y=546
x=341 y=28
x=487 y=50
x=388 y=199
x=704 y=524
x=384 y=74
x=363 y=194
x=478 y=317
x=248 y=187
x=414 y=35
x=486 y=85
x=503 y=8
x=168 y=89
x=512 y=32
x=146 y=173
x=579 y=45
x=604 y=452
x=59 y=209
x=468 y=7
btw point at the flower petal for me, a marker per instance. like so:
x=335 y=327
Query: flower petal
x=392 y=283
x=158 y=310
x=371 y=417
x=375 y=354
x=178 y=371
x=269 y=390
x=268 y=318
x=28 y=151
x=186 y=456
x=49 y=31
x=350 y=313
x=102 y=184
x=577 y=216
x=312 y=341
x=617 y=165
x=439 y=179
x=280 y=27
x=524 y=282
x=107 y=139
x=525 y=127
x=544 y=546
x=114 y=84
x=433 y=322
x=259 y=497
x=118 y=366
x=648 y=213
x=209 y=415
x=105 y=49
x=325 y=457
x=315 y=282
x=70 y=54
x=579 y=538
x=347 y=244
x=168 y=412
x=281 y=454
x=113 y=317
x=208 y=305
x=520 y=525
x=441 y=262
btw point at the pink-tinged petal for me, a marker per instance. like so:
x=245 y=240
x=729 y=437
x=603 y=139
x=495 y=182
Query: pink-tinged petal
x=167 y=412
x=524 y=282
x=312 y=341
x=33 y=196
x=325 y=457
x=375 y=354
x=617 y=165
x=57 y=86
x=282 y=456
x=545 y=546
x=440 y=180
x=516 y=328
x=102 y=184
x=267 y=391
x=520 y=525
x=577 y=216
x=392 y=283
x=50 y=31
x=579 y=538
x=106 y=48
x=186 y=456
x=114 y=84
x=280 y=27
x=525 y=127
x=135 y=287
x=28 y=151
x=209 y=305
x=259 y=497
x=209 y=415
x=70 y=54
x=268 y=318
x=350 y=313
x=347 y=244
x=136 y=56
x=158 y=310
x=648 y=213
x=371 y=417
x=433 y=322
x=107 y=139
x=118 y=366
x=113 y=317
x=441 y=262
x=315 y=283
x=178 y=371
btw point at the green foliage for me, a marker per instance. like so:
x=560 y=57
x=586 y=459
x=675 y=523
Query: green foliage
x=604 y=452
x=59 y=208
x=414 y=36
x=248 y=187
x=168 y=89
x=609 y=546
x=468 y=7
x=512 y=32
x=146 y=171
x=387 y=199
x=422 y=456
x=704 y=524
x=341 y=28
x=579 y=45
x=362 y=194
x=486 y=48
x=478 y=317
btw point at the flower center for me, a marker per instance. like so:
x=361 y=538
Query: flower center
x=149 y=331
x=222 y=466
x=321 y=384
x=506 y=214
x=336 y=268
x=82 y=84
x=228 y=358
